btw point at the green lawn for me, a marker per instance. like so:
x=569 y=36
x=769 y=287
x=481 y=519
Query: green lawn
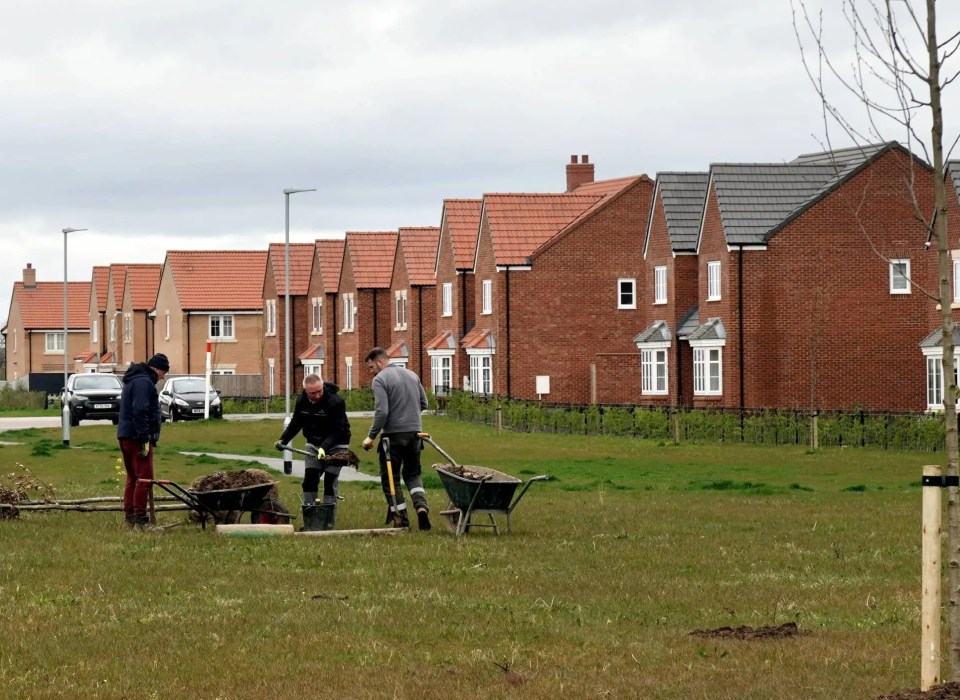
x=612 y=563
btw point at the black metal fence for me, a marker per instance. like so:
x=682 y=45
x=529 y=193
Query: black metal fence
x=893 y=431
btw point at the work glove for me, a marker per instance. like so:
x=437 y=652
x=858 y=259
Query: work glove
x=280 y=445
x=145 y=450
x=367 y=443
x=320 y=453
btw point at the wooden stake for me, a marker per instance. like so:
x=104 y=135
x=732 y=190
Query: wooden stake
x=254 y=530
x=371 y=532
x=930 y=579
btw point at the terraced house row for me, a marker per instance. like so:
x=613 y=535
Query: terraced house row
x=806 y=284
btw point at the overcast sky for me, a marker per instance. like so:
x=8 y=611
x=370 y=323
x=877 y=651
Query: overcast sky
x=177 y=124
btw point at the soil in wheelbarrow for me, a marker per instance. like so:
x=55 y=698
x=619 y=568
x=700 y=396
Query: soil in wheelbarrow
x=473 y=473
x=224 y=480
x=947 y=691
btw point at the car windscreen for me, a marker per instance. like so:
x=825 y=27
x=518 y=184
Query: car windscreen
x=96 y=382
x=190 y=386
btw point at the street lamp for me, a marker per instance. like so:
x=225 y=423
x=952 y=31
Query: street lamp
x=287 y=455
x=65 y=409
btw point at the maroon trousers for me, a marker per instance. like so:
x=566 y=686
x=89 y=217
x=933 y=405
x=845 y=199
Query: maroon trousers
x=134 y=493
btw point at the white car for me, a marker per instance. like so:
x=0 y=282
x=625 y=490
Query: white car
x=182 y=398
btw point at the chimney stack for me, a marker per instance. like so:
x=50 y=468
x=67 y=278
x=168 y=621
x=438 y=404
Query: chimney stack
x=29 y=277
x=579 y=173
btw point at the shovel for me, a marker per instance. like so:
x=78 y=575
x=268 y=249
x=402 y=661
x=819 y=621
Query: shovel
x=385 y=444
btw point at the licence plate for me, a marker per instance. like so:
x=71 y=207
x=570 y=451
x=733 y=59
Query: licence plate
x=198 y=410
x=102 y=405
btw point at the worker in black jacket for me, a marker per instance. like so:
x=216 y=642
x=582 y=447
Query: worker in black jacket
x=321 y=414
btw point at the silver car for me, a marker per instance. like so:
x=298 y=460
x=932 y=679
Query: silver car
x=182 y=398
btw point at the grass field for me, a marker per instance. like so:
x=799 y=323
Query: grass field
x=612 y=564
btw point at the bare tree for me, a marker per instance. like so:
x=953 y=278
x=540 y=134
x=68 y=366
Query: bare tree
x=893 y=75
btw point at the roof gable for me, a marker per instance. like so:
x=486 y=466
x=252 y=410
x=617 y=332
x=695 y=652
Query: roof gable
x=218 y=279
x=144 y=282
x=101 y=276
x=330 y=255
x=462 y=220
x=682 y=196
x=116 y=279
x=301 y=262
x=419 y=249
x=372 y=254
x=42 y=306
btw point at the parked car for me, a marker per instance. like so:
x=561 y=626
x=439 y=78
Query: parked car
x=92 y=397
x=182 y=398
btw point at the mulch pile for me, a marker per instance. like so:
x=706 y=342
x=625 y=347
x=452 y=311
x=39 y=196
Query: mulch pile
x=947 y=691
x=342 y=459
x=471 y=472
x=219 y=481
x=787 y=629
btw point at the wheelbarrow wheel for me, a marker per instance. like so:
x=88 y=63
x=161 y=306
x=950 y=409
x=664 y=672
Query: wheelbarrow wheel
x=271 y=511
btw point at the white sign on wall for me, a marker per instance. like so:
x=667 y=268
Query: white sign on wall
x=543 y=384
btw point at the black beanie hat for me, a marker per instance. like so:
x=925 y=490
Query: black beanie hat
x=159 y=361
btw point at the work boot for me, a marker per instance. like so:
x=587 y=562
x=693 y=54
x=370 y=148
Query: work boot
x=309 y=498
x=423 y=521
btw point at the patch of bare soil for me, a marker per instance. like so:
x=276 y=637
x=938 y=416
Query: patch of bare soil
x=946 y=691
x=344 y=458
x=219 y=481
x=787 y=629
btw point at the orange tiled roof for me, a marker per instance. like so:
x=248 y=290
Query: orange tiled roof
x=330 y=255
x=42 y=307
x=227 y=280
x=521 y=223
x=398 y=349
x=101 y=274
x=107 y=358
x=118 y=272
x=372 y=254
x=301 y=263
x=86 y=357
x=477 y=338
x=419 y=247
x=442 y=341
x=605 y=187
x=314 y=352
x=462 y=217
x=144 y=282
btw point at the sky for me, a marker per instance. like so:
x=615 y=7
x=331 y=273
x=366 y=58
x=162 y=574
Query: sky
x=176 y=125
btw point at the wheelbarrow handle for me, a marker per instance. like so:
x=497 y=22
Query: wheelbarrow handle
x=541 y=477
x=426 y=437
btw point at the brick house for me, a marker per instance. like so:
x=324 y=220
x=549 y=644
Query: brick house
x=669 y=294
x=141 y=283
x=321 y=355
x=113 y=315
x=804 y=284
x=274 y=312
x=413 y=289
x=453 y=275
x=98 y=312
x=556 y=291
x=366 y=308
x=34 y=336
x=215 y=296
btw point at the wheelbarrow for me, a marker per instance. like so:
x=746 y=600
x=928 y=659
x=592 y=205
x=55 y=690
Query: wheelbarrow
x=226 y=506
x=479 y=491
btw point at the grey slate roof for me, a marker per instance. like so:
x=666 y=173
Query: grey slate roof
x=683 y=196
x=711 y=330
x=756 y=199
x=933 y=340
x=689 y=323
x=953 y=170
x=656 y=332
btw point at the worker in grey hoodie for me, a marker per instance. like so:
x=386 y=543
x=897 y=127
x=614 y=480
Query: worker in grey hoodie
x=398 y=400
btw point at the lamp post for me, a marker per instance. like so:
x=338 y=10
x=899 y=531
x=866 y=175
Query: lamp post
x=287 y=455
x=65 y=409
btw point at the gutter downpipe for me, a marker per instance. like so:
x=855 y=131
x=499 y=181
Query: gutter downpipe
x=507 y=278
x=740 y=330
x=375 y=319
x=420 y=329
x=188 y=342
x=336 y=340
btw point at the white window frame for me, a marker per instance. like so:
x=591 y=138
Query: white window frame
x=900 y=276
x=934 y=374
x=956 y=281
x=53 y=343
x=703 y=362
x=481 y=371
x=167 y=320
x=349 y=312
x=313 y=367
x=713 y=280
x=128 y=328
x=486 y=297
x=222 y=321
x=223 y=371
x=316 y=314
x=626 y=293
x=447 y=299
x=94 y=331
x=113 y=329
x=348 y=362
x=271 y=376
x=660 y=284
x=654 y=369
x=400 y=309
x=441 y=372
x=271 y=317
